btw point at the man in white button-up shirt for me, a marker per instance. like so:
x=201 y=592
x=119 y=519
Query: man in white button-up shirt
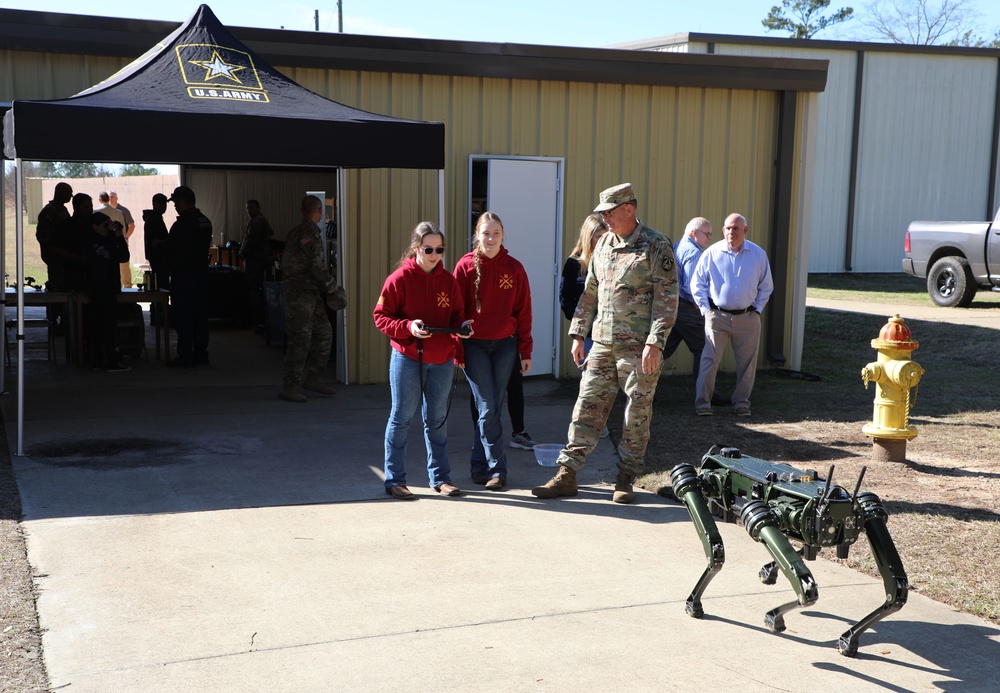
x=731 y=286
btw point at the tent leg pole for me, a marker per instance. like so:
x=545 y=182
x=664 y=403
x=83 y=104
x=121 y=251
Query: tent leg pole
x=441 y=199
x=341 y=213
x=3 y=266
x=19 y=253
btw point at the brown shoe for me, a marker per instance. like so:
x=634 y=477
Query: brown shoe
x=399 y=493
x=316 y=385
x=562 y=484
x=623 y=488
x=447 y=489
x=290 y=394
x=495 y=484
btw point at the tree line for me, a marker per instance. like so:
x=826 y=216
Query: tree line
x=917 y=22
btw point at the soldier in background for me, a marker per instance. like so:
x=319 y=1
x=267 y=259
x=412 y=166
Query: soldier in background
x=629 y=304
x=53 y=214
x=68 y=246
x=308 y=288
x=255 y=251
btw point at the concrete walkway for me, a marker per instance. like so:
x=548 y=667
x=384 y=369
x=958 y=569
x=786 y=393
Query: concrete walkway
x=190 y=532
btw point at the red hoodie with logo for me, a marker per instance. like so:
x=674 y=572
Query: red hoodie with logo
x=504 y=298
x=411 y=294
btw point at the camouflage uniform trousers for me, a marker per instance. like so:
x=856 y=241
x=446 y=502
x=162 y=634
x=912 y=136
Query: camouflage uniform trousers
x=608 y=369
x=309 y=334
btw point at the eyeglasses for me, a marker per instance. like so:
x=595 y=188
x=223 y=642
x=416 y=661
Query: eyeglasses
x=706 y=234
x=430 y=251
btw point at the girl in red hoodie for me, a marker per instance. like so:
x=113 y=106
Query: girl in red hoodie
x=419 y=295
x=497 y=299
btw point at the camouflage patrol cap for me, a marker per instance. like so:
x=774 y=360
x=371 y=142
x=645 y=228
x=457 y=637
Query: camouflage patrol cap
x=612 y=197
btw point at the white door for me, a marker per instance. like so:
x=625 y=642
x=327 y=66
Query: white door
x=524 y=193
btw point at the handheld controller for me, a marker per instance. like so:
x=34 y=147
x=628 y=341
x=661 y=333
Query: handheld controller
x=463 y=330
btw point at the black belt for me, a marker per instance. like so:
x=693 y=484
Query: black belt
x=741 y=311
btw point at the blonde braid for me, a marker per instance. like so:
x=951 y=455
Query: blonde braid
x=484 y=218
x=476 y=254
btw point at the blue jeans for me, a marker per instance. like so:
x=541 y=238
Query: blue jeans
x=488 y=364
x=404 y=380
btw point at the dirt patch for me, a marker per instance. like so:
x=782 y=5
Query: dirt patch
x=21 y=665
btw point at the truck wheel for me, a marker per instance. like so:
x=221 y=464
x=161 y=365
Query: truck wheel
x=950 y=282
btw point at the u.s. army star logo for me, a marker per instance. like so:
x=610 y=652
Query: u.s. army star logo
x=443 y=300
x=217 y=67
x=668 y=264
x=217 y=72
x=506 y=281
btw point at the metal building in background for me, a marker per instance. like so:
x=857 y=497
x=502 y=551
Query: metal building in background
x=697 y=135
x=903 y=133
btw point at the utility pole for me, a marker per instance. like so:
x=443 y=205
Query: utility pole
x=340 y=16
x=316 y=18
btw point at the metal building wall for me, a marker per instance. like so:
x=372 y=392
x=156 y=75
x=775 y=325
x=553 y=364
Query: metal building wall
x=25 y=75
x=827 y=226
x=688 y=152
x=924 y=148
x=924 y=137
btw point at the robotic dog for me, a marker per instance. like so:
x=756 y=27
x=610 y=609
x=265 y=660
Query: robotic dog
x=775 y=502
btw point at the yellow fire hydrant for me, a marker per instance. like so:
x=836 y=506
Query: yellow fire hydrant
x=895 y=375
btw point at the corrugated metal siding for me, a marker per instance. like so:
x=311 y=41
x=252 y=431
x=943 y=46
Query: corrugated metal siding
x=924 y=148
x=688 y=152
x=52 y=75
x=828 y=220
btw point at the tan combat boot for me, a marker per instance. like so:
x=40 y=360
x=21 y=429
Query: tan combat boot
x=623 y=488
x=314 y=384
x=562 y=484
x=290 y=393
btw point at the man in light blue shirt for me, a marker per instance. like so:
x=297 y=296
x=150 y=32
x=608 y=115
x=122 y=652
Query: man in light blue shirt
x=690 y=325
x=731 y=285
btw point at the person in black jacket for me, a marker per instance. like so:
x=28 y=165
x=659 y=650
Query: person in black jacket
x=574 y=274
x=155 y=242
x=187 y=251
x=107 y=249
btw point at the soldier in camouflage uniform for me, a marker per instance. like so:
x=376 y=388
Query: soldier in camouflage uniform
x=629 y=303
x=306 y=284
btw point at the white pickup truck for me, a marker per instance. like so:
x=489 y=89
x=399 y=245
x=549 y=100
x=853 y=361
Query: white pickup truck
x=956 y=257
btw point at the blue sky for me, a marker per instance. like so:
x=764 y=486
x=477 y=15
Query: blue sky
x=553 y=22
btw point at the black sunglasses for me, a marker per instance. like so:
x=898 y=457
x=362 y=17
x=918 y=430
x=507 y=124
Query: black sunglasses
x=430 y=251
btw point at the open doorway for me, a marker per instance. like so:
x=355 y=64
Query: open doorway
x=527 y=194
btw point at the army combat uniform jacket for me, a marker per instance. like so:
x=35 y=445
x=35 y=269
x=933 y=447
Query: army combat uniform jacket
x=630 y=296
x=302 y=265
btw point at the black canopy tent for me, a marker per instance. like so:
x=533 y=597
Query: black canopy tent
x=202 y=97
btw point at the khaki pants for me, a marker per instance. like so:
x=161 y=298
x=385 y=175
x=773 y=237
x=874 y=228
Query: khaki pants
x=743 y=331
x=126 y=275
